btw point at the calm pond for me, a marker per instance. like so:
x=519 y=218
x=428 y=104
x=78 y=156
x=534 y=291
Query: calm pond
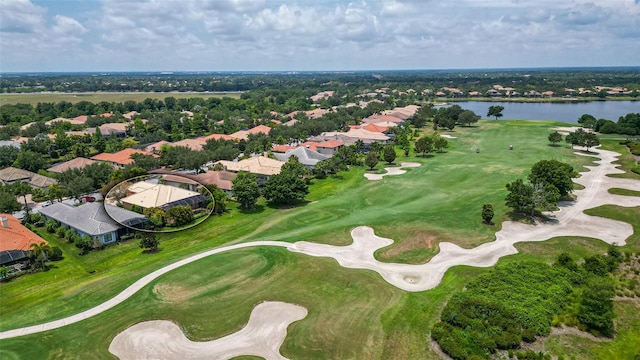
x=566 y=112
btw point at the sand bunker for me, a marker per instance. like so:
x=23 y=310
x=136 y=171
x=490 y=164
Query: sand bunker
x=160 y=339
x=392 y=171
x=448 y=136
x=565 y=130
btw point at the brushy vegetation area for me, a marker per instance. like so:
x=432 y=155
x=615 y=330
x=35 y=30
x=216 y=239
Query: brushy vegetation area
x=517 y=302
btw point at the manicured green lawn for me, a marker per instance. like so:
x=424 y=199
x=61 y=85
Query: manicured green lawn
x=352 y=313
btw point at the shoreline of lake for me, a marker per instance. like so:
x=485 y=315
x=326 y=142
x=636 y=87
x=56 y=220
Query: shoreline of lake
x=568 y=112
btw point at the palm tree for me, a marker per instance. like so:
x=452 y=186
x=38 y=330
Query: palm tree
x=22 y=189
x=39 y=252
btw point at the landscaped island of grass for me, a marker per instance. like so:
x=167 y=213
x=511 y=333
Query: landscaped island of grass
x=351 y=313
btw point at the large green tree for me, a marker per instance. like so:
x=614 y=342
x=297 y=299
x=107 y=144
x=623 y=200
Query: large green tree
x=389 y=153
x=555 y=137
x=285 y=188
x=554 y=173
x=8 y=154
x=424 y=145
x=495 y=110
x=371 y=160
x=468 y=117
x=245 y=189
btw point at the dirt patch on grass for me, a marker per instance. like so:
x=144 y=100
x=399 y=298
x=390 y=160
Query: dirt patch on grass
x=172 y=293
x=417 y=241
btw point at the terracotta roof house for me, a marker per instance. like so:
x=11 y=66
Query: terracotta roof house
x=120 y=158
x=188 y=113
x=58 y=119
x=77 y=163
x=316 y=113
x=117 y=129
x=259 y=165
x=290 y=122
x=374 y=128
x=87 y=131
x=222 y=179
x=548 y=93
x=282 y=148
x=178 y=180
x=146 y=195
x=307 y=157
x=260 y=129
x=155 y=147
x=106 y=223
x=11 y=175
x=193 y=144
x=329 y=147
x=79 y=120
x=15 y=240
x=240 y=135
x=322 y=95
x=216 y=137
x=130 y=115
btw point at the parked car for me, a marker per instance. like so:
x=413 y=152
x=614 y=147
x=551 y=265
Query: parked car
x=46 y=203
x=87 y=198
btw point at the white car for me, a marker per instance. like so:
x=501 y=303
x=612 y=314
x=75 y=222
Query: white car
x=46 y=203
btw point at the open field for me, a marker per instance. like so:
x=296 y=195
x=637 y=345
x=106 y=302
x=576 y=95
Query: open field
x=96 y=97
x=352 y=313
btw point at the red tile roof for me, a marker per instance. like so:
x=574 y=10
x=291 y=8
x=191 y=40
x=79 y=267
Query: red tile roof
x=260 y=129
x=16 y=236
x=330 y=144
x=122 y=157
x=217 y=137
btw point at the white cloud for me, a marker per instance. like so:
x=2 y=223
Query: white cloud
x=324 y=34
x=20 y=16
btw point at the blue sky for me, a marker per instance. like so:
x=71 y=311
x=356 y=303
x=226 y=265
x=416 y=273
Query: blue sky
x=256 y=35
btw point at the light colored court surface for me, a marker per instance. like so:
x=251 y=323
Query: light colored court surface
x=160 y=339
x=392 y=171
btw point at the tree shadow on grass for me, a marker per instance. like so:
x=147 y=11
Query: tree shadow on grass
x=151 y=251
x=254 y=210
x=297 y=204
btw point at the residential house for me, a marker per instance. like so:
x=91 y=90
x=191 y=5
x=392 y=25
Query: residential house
x=329 y=147
x=177 y=180
x=222 y=179
x=322 y=95
x=12 y=175
x=120 y=158
x=15 y=241
x=146 y=194
x=306 y=156
x=155 y=147
x=13 y=143
x=130 y=115
x=261 y=166
x=103 y=222
x=115 y=129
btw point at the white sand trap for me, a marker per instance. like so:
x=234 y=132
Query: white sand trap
x=392 y=171
x=448 y=136
x=565 y=130
x=160 y=339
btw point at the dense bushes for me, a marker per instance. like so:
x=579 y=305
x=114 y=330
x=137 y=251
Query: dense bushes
x=518 y=301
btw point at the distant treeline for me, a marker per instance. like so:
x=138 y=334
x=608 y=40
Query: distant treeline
x=480 y=80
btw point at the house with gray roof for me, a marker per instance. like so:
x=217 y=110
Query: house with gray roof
x=306 y=156
x=106 y=223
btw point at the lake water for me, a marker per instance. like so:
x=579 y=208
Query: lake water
x=566 y=112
